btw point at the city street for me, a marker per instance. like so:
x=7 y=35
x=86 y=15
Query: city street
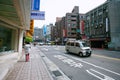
x=102 y=65
x=33 y=35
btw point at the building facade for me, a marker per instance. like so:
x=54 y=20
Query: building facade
x=114 y=17
x=48 y=33
x=58 y=30
x=82 y=26
x=13 y=23
x=38 y=34
x=102 y=25
x=70 y=26
x=72 y=23
x=53 y=33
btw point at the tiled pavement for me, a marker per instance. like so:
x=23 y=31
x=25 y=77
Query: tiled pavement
x=35 y=69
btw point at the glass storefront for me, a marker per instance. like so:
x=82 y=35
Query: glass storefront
x=6 y=39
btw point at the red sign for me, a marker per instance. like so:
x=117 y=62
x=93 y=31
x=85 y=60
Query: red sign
x=64 y=33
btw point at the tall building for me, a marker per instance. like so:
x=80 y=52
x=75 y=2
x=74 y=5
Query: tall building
x=102 y=25
x=114 y=17
x=58 y=29
x=37 y=34
x=48 y=33
x=72 y=23
x=82 y=26
x=53 y=33
x=70 y=26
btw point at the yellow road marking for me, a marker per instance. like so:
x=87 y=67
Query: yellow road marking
x=106 y=57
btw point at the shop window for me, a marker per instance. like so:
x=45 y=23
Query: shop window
x=5 y=39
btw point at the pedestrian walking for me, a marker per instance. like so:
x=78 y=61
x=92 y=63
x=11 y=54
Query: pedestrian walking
x=27 y=47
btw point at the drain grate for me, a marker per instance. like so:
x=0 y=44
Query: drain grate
x=42 y=56
x=57 y=73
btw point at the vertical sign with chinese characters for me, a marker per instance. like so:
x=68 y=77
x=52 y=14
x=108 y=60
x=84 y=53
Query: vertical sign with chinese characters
x=31 y=31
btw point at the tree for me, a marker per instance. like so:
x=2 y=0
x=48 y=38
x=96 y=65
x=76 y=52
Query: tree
x=28 y=39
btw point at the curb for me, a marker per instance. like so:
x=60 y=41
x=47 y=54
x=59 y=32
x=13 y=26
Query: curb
x=54 y=71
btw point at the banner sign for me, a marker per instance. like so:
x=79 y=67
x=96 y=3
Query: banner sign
x=35 y=4
x=31 y=31
x=44 y=30
x=38 y=15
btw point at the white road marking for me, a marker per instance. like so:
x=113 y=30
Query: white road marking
x=69 y=61
x=96 y=72
x=79 y=65
x=60 y=57
x=45 y=49
x=57 y=48
x=96 y=66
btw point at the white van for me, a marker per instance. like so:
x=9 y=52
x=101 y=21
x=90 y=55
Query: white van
x=78 y=47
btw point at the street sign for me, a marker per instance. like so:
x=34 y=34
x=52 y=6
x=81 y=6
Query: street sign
x=35 y=4
x=38 y=15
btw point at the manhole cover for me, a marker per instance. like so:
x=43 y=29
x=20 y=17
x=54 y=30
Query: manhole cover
x=57 y=73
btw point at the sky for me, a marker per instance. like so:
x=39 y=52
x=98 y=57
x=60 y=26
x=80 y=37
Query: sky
x=59 y=8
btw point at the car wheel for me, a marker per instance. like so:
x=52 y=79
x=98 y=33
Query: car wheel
x=81 y=54
x=89 y=55
x=67 y=51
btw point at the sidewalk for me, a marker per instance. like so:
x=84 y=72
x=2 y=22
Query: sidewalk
x=35 y=69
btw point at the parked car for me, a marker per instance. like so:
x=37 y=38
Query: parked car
x=78 y=47
x=41 y=43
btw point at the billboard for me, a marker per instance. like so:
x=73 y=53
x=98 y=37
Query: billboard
x=38 y=15
x=35 y=4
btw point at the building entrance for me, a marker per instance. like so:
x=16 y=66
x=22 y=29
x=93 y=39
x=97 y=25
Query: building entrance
x=98 y=44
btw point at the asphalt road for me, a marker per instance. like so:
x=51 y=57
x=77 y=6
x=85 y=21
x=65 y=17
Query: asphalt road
x=102 y=65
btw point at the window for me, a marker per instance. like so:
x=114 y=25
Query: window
x=73 y=16
x=81 y=17
x=68 y=43
x=6 y=36
x=73 y=20
x=73 y=25
x=77 y=45
x=69 y=25
x=84 y=44
x=72 y=44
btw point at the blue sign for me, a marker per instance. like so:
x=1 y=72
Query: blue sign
x=35 y=4
x=44 y=30
x=38 y=15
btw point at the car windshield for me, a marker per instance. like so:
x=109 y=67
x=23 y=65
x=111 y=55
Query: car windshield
x=84 y=44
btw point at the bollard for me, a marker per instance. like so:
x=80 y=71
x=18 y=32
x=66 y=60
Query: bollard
x=27 y=57
x=27 y=51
